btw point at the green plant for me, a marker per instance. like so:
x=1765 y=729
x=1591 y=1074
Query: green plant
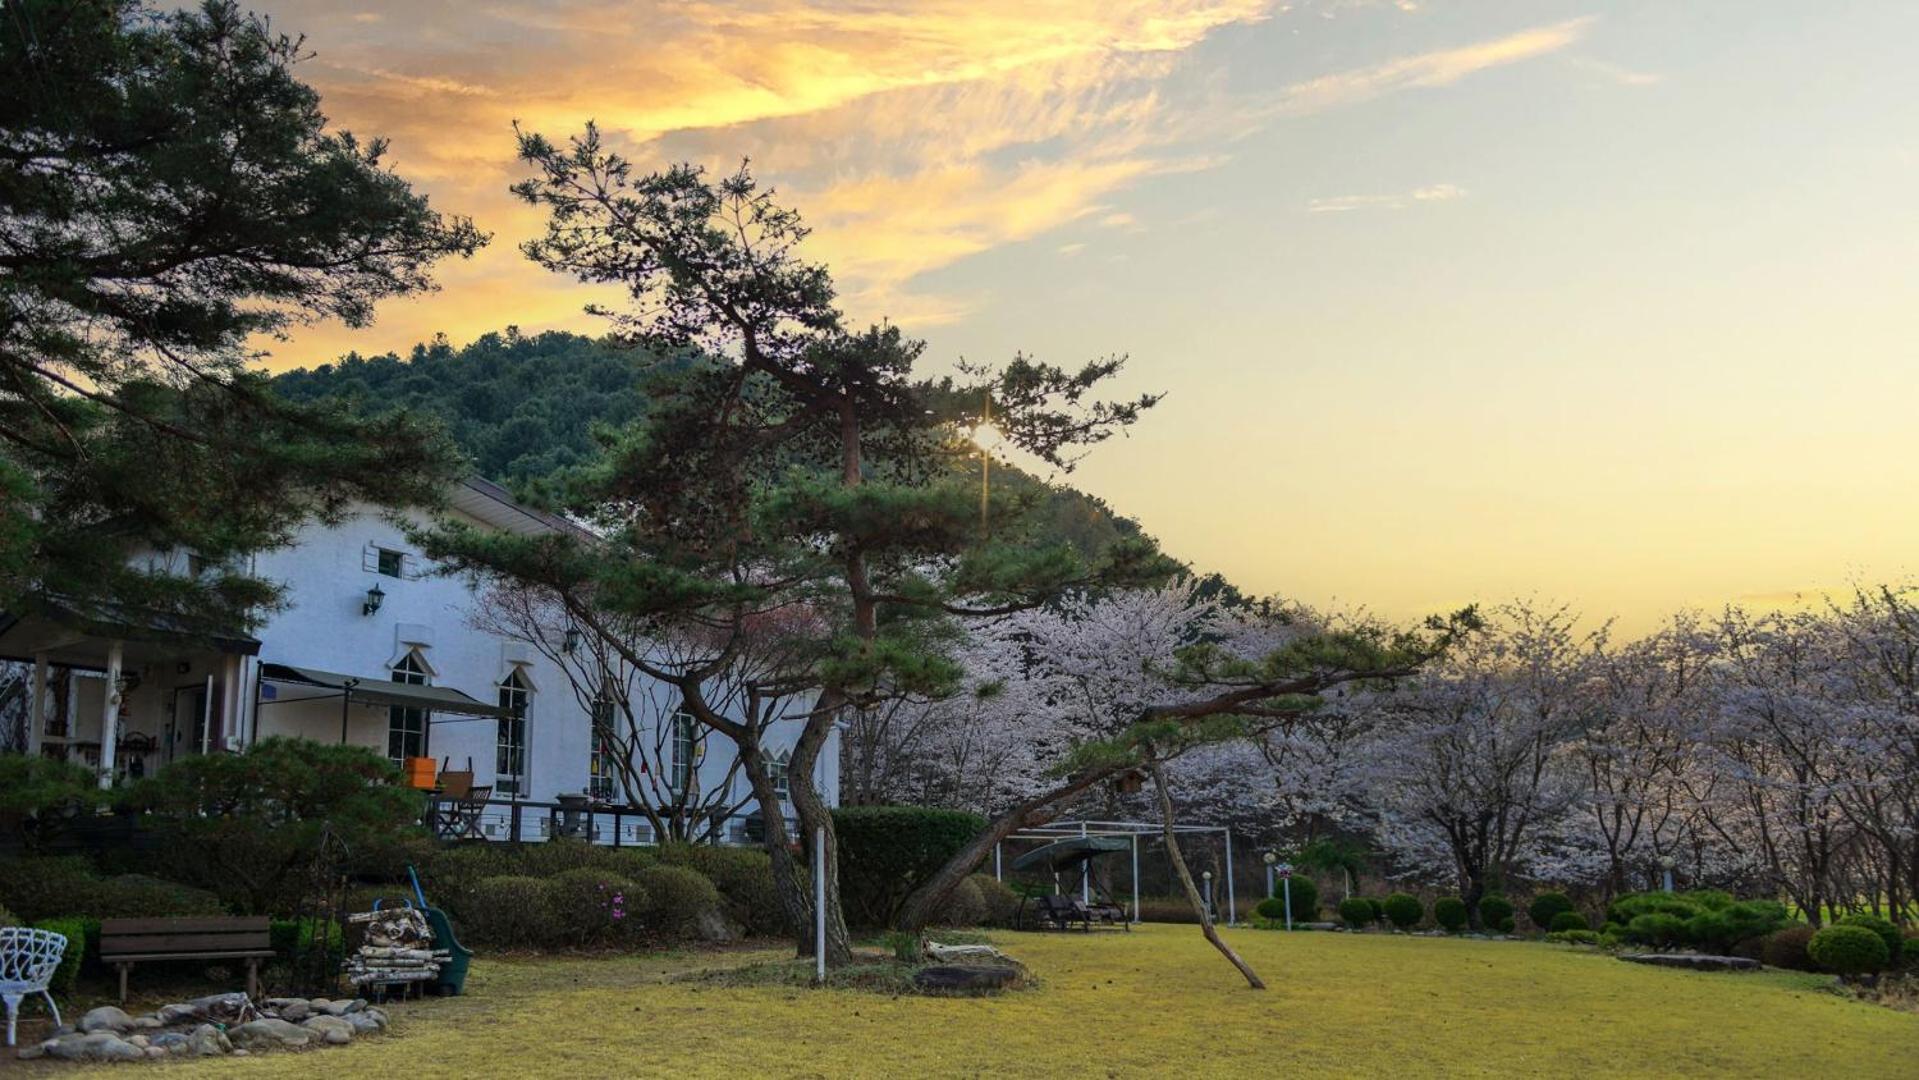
x=1496 y=913
x=1888 y=933
x=36 y=791
x=1726 y=926
x=41 y=887
x=1849 y=950
x=1356 y=912
x=964 y=906
x=674 y=900
x=906 y=946
x=885 y=852
x=1305 y=898
x=1271 y=908
x=8 y=918
x=1657 y=929
x=744 y=877
x=1450 y=913
x=1632 y=905
x=999 y=899
x=1787 y=949
x=1378 y=906
x=1707 y=899
x=508 y=911
x=80 y=934
x=1570 y=936
x=1569 y=920
x=1404 y=910
x=1545 y=906
x=588 y=907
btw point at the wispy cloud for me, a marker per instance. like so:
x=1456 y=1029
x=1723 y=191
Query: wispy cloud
x=1623 y=76
x=1338 y=204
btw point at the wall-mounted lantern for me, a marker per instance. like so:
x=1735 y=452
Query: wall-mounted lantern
x=374 y=597
x=571 y=641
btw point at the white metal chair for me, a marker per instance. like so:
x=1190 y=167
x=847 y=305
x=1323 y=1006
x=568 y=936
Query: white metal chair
x=27 y=961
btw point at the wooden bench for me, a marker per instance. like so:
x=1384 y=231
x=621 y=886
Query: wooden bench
x=126 y=942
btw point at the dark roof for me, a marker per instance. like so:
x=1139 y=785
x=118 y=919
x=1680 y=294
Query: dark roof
x=380 y=690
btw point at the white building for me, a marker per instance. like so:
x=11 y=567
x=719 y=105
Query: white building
x=370 y=649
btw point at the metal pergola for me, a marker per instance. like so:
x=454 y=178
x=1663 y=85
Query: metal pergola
x=1130 y=830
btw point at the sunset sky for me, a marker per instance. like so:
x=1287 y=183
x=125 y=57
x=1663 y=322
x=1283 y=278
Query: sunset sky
x=1605 y=303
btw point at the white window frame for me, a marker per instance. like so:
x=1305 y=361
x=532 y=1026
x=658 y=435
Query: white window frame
x=779 y=770
x=402 y=720
x=509 y=776
x=685 y=752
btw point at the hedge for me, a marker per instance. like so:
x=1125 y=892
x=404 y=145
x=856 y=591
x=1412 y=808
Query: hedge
x=1404 y=910
x=1547 y=905
x=1356 y=912
x=887 y=851
x=1849 y=950
x=1888 y=933
x=744 y=877
x=675 y=900
x=81 y=934
x=1450 y=913
x=1569 y=920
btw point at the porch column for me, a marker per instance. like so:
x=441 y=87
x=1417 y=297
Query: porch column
x=110 y=718
x=229 y=699
x=37 y=711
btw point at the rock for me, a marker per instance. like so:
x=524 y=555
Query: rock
x=336 y=1008
x=230 y=1008
x=105 y=1018
x=270 y=1032
x=713 y=925
x=952 y=977
x=154 y=1052
x=208 y=1041
x=99 y=1046
x=367 y=1020
x=1691 y=962
x=318 y=1004
x=171 y=1041
x=37 y=1050
x=334 y=1029
x=139 y=1041
x=177 y=1013
x=355 y=1005
x=295 y=1011
x=239 y=1053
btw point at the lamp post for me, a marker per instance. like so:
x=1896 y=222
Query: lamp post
x=1207 y=879
x=1666 y=863
x=1270 y=860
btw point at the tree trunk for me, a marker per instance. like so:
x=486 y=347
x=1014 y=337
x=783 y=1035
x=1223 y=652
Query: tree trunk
x=789 y=878
x=1186 y=880
x=815 y=817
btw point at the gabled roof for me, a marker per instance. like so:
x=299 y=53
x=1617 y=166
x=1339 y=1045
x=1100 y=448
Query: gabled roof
x=491 y=504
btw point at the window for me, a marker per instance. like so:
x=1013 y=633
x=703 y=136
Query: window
x=389 y=563
x=405 y=726
x=684 y=747
x=599 y=766
x=509 y=759
x=776 y=767
x=197 y=564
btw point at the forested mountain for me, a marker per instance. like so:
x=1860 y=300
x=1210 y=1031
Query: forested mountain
x=524 y=407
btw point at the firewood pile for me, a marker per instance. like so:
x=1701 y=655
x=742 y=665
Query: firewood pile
x=396 y=948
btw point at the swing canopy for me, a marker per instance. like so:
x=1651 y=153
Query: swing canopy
x=1064 y=854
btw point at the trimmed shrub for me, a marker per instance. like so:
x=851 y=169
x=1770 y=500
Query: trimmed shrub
x=585 y=906
x=1271 y=908
x=673 y=900
x=1305 y=899
x=1787 y=949
x=1001 y=902
x=507 y=911
x=885 y=852
x=1546 y=906
x=1356 y=912
x=1569 y=920
x=1708 y=899
x=46 y=888
x=1724 y=927
x=1657 y=929
x=1888 y=933
x=1167 y=909
x=136 y=896
x=1496 y=913
x=1404 y=910
x=1379 y=908
x=1632 y=905
x=80 y=934
x=1450 y=913
x=1613 y=928
x=1573 y=937
x=8 y=918
x=1848 y=950
x=963 y=907
x=744 y=877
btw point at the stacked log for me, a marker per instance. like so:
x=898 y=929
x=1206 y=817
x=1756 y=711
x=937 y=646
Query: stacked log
x=398 y=948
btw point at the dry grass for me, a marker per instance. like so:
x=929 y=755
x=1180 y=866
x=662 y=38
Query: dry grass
x=1153 y=1003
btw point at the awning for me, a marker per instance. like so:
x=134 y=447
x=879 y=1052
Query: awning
x=1065 y=853
x=369 y=690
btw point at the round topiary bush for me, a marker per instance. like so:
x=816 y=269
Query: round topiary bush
x=1657 y=929
x=1404 y=910
x=1888 y=933
x=1848 y=950
x=1271 y=908
x=1305 y=898
x=585 y=906
x=1573 y=937
x=1496 y=913
x=1379 y=908
x=674 y=900
x=505 y=912
x=1356 y=912
x=1787 y=949
x=1545 y=906
x=1001 y=902
x=1569 y=920
x=963 y=907
x=1450 y=913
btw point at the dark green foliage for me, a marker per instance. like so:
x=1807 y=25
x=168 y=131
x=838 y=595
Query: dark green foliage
x=1787 y=949
x=1545 y=906
x=1305 y=898
x=35 y=790
x=245 y=826
x=1001 y=903
x=1568 y=920
x=171 y=195
x=505 y=912
x=8 y=918
x=1272 y=908
x=1573 y=935
x=1496 y=913
x=588 y=907
x=674 y=901
x=1404 y=910
x=1657 y=929
x=1894 y=938
x=1379 y=908
x=1625 y=908
x=1613 y=928
x=47 y=887
x=886 y=851
x=1450 y=913
x=1849 y=950
x=744 y=877
x=1708 y=899
x=1723 y=927
x=1357 y=912
x=963 y=907
x=81 y=935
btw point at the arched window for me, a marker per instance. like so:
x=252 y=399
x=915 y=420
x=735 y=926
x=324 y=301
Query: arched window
x=509 y=761
x=776 y=769
x=406 y=726
x=685 y=749
x=600 y=764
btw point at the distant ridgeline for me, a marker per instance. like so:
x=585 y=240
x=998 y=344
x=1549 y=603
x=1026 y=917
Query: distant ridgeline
x=523 y=408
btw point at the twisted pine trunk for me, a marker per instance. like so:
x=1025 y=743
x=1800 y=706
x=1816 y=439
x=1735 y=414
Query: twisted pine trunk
x=1192 y=891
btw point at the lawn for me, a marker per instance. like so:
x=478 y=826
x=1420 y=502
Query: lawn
x=1155 y=1002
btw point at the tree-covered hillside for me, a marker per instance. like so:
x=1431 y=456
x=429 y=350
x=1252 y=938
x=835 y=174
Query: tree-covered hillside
x=524 y=407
